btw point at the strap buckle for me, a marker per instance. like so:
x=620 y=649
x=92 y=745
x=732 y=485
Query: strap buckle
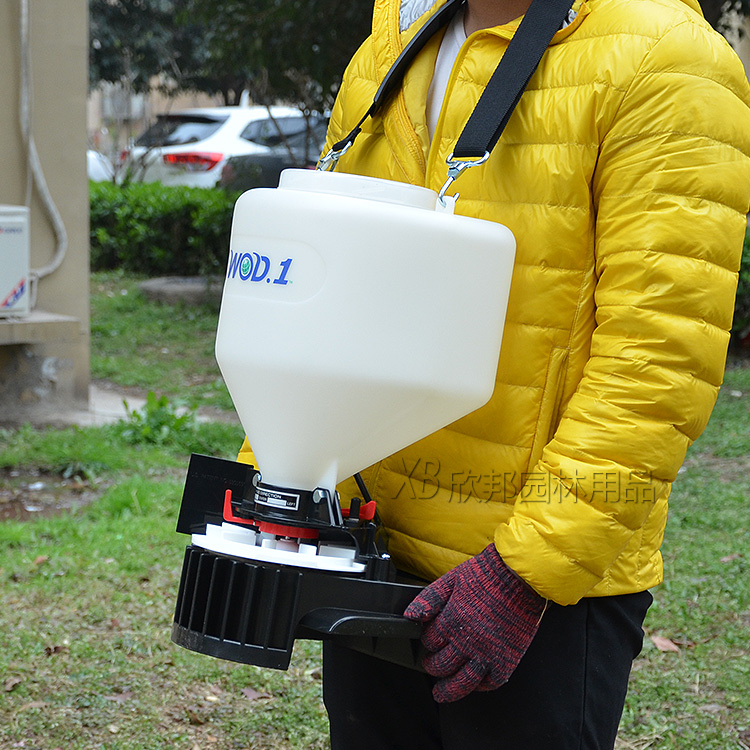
x=328 y=162
x=455 y=168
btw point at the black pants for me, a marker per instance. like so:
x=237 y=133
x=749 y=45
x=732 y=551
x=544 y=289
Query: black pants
x=567 y=693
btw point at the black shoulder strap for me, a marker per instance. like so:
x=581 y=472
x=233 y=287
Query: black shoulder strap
x=508 y=82
x=511 y=77
x=397 y=71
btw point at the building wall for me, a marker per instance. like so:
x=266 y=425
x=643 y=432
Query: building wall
x=44 y=360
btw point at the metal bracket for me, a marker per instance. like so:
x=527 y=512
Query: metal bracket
x=455 y=168
x=328 y=162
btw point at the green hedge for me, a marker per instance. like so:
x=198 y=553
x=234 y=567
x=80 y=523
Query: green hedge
x=159 y=231
x=176 y=231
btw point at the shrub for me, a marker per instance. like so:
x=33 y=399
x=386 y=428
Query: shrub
x=157 y=230
x=158 y=422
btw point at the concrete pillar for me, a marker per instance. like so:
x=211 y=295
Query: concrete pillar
x=44 y=357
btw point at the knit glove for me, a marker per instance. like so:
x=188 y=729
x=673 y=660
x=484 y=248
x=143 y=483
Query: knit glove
x=479 y=619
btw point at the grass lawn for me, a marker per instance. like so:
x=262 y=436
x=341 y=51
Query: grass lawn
x=697 y=694
x=147 y=345
x=88 y=593
x=87 y=606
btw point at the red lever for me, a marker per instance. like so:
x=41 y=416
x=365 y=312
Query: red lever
x=366 y=511
x=228 y=513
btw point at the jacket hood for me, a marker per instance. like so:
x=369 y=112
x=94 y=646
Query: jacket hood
x=694 y=5
x=411 y=10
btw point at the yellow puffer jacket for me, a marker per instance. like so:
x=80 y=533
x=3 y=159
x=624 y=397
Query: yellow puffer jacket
x=624 y=175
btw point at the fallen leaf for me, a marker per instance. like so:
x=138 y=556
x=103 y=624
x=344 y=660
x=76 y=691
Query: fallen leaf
x=52 y=650
x=664 y=644
x=712 y=708
x=41 y=559
x=11 y=684
x=33 y=704
x=733 y=556
x=212 y=698
x=683 y=642
x=113 y=728
x=252 y=695
x=193 y=717
x=120 y=697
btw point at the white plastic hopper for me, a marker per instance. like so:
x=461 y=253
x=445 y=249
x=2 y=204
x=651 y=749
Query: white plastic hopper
x=355 y=320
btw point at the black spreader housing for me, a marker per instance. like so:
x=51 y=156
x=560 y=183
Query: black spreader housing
x=251 y=612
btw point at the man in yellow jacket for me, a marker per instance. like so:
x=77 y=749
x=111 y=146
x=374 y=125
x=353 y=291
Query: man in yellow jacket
x=624 y=175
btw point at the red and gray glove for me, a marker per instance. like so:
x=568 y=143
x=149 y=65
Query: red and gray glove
x=479 y=619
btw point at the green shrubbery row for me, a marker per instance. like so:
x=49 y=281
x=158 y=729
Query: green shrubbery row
x=155 y=230
x=159 y=231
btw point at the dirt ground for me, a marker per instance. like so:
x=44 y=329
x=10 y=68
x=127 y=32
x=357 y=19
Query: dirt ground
x=29 y=494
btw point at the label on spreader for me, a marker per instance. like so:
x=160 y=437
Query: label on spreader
x=277 y=499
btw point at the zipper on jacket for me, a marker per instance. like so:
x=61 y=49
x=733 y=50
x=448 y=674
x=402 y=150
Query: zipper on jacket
x=411 y=140
x=505 y=32
x=432 y=154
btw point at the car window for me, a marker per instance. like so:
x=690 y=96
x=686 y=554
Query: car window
x=269 y=132
x=299 y=143
x=175 y=130
x=306 y=144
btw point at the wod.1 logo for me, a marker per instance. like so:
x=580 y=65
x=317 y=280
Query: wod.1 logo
x=257 y=267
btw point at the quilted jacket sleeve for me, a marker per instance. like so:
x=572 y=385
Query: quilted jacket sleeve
x=671 y=191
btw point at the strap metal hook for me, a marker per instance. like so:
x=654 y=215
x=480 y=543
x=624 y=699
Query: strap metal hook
x=328 y=162
x=455 y=168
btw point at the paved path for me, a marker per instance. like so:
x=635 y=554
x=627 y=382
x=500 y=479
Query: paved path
x=106 y=406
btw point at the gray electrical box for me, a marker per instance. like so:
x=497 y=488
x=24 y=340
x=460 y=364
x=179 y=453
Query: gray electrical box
x=14 y=260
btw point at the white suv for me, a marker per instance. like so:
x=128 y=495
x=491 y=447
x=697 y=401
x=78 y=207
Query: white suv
x=190 y=147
